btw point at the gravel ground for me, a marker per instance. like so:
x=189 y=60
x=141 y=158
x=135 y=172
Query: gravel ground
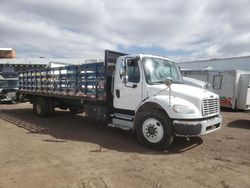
x=70 y=151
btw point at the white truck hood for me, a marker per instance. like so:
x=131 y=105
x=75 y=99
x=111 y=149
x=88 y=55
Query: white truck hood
x=191 y=91
x=182 y=90
x=188 y=93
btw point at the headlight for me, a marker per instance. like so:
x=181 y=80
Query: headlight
x=181 y=109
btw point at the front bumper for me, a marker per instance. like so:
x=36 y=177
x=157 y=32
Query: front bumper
x=197 y=128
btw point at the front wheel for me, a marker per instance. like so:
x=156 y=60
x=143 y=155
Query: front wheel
x=154 y=129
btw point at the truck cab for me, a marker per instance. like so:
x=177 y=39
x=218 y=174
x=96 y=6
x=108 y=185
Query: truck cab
x=150 y=97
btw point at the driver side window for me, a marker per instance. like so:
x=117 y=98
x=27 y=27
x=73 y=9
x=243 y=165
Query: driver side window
x=133 y=71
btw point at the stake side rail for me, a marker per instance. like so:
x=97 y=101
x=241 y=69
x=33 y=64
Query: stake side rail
x=87 y=81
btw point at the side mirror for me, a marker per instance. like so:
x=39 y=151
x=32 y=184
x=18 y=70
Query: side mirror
x=124 y=79
x=168 y=81
x=123 y=75
x=122 y=71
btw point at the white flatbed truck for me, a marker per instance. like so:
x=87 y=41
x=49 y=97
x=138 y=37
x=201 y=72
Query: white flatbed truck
x=140 y=92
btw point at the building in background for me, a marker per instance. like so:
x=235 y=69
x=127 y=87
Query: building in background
x=7 y=53
x=228 y=77
x=11 y=67
x=233 y=63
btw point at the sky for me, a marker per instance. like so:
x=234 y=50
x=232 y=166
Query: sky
x=178 y=29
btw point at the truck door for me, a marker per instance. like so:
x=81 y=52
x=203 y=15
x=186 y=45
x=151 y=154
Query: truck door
x=127 y=86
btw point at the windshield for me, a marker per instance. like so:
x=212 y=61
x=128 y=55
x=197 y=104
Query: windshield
x=157 y=70
x=8 y=83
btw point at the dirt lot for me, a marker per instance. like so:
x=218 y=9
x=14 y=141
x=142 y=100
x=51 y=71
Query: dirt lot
x=70 y=151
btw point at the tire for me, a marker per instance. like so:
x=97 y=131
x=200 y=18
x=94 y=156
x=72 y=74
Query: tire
x=154 y=129
x=41 y=107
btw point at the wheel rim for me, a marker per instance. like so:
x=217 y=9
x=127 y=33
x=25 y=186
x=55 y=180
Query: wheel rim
x=38 y=109
x=152 y=130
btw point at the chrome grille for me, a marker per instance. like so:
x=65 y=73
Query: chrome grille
x=210 y=106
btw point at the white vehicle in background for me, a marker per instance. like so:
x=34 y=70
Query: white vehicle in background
x=58 y=64
x=8 y=89
x=140 y=92
x=197 y=83
x=233 y=86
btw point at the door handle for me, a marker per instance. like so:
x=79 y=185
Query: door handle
x=134 y=86
x=131 y=86
x=117 y=92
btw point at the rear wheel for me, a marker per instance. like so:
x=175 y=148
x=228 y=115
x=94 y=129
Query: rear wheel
x=41 y=107
x=154 y=129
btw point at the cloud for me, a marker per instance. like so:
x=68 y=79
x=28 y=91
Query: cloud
x=180 y=29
